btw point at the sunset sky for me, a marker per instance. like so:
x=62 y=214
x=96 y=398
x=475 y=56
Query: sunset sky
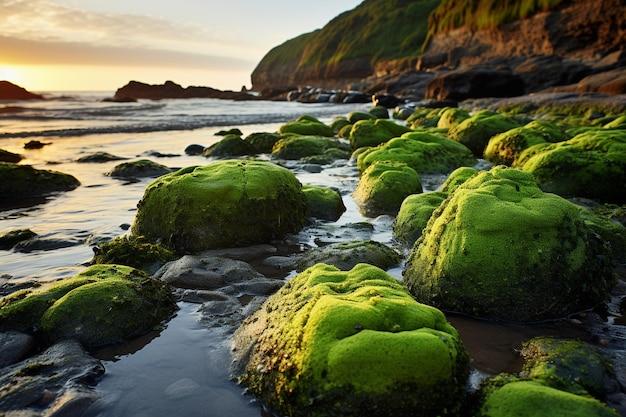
x=100 y=45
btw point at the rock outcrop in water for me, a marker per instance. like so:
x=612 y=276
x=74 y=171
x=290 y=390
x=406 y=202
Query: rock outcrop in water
x=139 y=90
x=10 y=91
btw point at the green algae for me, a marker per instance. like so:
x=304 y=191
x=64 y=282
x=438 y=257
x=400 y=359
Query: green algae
x=338 y=343
x=383 y=186
x=457 y=178
x=223 y=204
x=133 y=251
x=451 y=116
x=499 y=247
x=323 y=202
x=424 y=152
x=306 y=125
x=374 y=132
x=301 y=146
x=263 y=142
x=591 y=165
x=102 y=305
x=229 y=146
x=414 y=214
x=476 y=131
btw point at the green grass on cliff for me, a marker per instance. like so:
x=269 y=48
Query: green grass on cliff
x=481 y=14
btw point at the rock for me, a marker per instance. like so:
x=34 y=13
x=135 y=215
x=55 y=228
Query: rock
x=139 y=90
x=611 y=231
x=262 y=142
x=194 y=149
x=6 y=156
x=223 y=204
x=234 y=131
x=476 y=131
x=102 y=305
x=374 y=132
x=306 y=125
x=383 y=186
x=339 y=123
x=10 y=91
x=324 y=203
x=505 y=148
x=475 y=83
x=56 y=382
x=25 y=181
x=346 y=255
x=306 y=348
x=414 y=214
x=133 y=251
x=35 y=144
x=229 y=146
x=590 y=165
x=424 y=152
x=14 y=346
x=356 y=116
x=142 y=168
x=544 y=71
x=388 y=101
x=328 y=157
x=451 y=116
x=99 y=157
x=12 y=237
x=356 y=97
x=380 y=112
x=299 y=146
x=40 y=243
x=549 y=264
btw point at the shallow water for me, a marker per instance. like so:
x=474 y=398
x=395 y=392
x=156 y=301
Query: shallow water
x=184 y=368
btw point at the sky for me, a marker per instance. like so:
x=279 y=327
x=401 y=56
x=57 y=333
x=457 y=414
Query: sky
x=100 y=45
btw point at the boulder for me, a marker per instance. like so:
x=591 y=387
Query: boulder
x=346 y=255
x=544 y=71
x=475 y=83
x=591 y=165
x=139 y=169
x=301 y=146
x=139 y=90
x=426 y=153
x=383 y=186
x=476 y=131
x=324 y=203
x=374 y=132
x=10 y=91
x=6 y=156
x=414 y=214
x=306 y=125
x=223 y=204
x=229 y=146
x=99 y=157
x=355 y=116
x=194 y=149
x=11 y=238
x=25 y=181
x=451 y=116
x=102 y=305
x=380 y=111
x=457 y=178
x=339 y=343
x=133 y=251
x=262 y=142
x=501 y=248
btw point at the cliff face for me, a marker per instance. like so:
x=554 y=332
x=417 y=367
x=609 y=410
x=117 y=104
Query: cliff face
x=548 y=42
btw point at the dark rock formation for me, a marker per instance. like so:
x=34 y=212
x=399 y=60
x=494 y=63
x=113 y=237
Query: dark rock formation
x=475 y=83
x=10 y=91
x=138 y=90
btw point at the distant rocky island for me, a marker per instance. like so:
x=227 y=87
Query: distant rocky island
x=451 y=49
x=138 y=90
x=10 y=91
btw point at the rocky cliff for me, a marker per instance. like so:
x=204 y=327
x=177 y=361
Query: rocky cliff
x=400 y=46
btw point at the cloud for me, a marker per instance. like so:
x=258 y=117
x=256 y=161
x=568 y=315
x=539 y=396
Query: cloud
x=46 y=21
x=28 y=52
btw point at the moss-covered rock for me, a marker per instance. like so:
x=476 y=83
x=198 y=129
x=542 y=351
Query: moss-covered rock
x=499 y=247
x=514 y=397
x=375 y=132
x=229 y=146
x=414 y=214
x=383 y=186
x=139 y=169
x=299 y=146
x=424 y=152
x=324 y=203
x=223 y=204
x=328 y=157
x=339 y=123
x=133 y=251
x=25 y=181
x=611 y=232
x=457 y=178
x=380 y=112
x=476 y=131
x=263 y=142
x=11 y=238
x=451 y=116
x=424 y=118
x=338 y=343
x=505 y=148
x=591 y=165
x=346 y=255
x=356 y=116
x=306 y=125
x=102 y=305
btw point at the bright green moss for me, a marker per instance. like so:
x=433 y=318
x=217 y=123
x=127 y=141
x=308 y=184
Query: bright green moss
x=451 y=116
x=424 y=152
x=383 y=186
x=374 y=132
x=591 y=165
x=339 y=343
x=299 y=146
x=224 y=204
x=306 y=125
x=133 y=251
x=414 y=214
x=501 y=248
x=229 y=146
x=457 y=178
x=263 y=142
x=476 y=131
